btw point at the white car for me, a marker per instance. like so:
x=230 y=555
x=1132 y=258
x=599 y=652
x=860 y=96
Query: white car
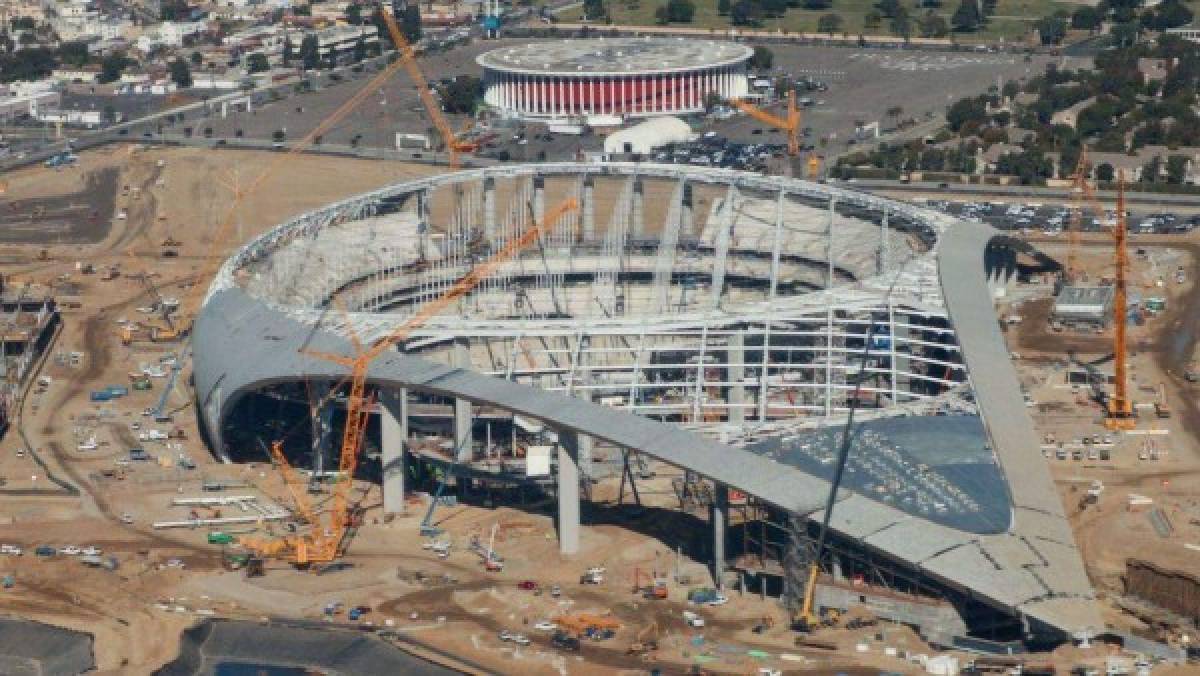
x=127 y=518
x=91 y=551
x=720 y=600
x=545 y=625
x=10 y=549
x=521 y=639
x=89 y=445
x=70 y=550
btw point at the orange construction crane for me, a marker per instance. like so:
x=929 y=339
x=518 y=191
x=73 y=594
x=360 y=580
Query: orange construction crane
x=323 y=543
x=408 y=58
x=1120 y=408
x=789 y=124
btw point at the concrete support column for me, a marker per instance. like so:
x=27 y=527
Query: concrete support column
x=568 y=494
x=424 y=207
x=736 y=374
x=589 y=209
x=489 y=209
x=539 y=199
x=637 y=222
x=322 y=424
x=884 y=244
x=464 y=439
x=719 y=516
x=393 y=425
x=686 y=216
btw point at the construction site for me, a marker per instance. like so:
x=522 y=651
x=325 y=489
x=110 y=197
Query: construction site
x=584 y=418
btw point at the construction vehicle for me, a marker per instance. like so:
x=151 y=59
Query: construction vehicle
x=323 y=543
x=1161 y=409
x=1120 y=407
x=454 y=144
x=807 y=619
x=789 y=124
x=646 y=640
x=428 y=530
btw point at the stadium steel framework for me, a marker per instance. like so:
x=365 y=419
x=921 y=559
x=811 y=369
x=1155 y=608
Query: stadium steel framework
x=709 y=319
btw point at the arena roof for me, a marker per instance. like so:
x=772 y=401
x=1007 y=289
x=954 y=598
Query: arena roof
x=614 y=56
x=1026 y=563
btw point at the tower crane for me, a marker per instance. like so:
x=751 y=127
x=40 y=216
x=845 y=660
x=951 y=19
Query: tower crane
x=1120 y=408
x=322 y=544
x=454 y=145
x=789 y=124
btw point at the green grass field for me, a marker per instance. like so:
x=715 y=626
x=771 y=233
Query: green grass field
x=1013 y=19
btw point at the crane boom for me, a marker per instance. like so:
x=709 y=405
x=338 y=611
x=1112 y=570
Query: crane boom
x=294 y=485
x=322 y=544
x=408 y=59
x=1120 y=408
x=789 y=124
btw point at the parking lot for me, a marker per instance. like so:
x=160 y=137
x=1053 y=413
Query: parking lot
x=1053 y=220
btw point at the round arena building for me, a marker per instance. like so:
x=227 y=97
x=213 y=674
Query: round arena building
x=633 y=77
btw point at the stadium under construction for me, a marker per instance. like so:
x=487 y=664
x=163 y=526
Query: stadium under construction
x=718 y=322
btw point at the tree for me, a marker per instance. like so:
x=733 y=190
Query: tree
x=410 y=23
x=197 y=58
x=1176 y=169
x=310 y=54
x=360 y=50
x=594 y=10
x=762 y=58
x=680 y=11
x=289 y=51
x=744 y=13
x=660 y=15
x=1087 y=18
x=829 y=23
x=110 y=114
x=257 y=63
x=933 y=26
x=901 y=24
x=112 y=67
x=816 y=5
x=1052 y=29
x=461 y=94
x=966 y=18
x=966 y=111
x=889 y=8
x=73 y=53
x=1168 y=14
x=773 y=8
x=723 y=7
x=1105 y=172
x=354 y=15
x=873 y=19
x=1125 y=34
x=181 y=75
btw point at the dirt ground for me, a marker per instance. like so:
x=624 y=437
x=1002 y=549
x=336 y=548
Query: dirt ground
x=1154 y=466
x=169 y=578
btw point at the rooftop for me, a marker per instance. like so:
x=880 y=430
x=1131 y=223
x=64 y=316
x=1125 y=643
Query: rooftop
x=614 y=56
